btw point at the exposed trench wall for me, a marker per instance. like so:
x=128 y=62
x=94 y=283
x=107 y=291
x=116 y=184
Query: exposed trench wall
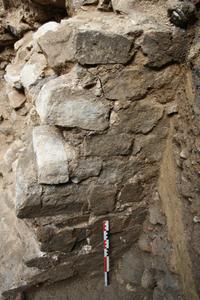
x=99 y=120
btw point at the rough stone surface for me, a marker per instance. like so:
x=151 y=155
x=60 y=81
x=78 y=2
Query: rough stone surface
x=91 y=47
x=141 y=117
x=108 y=145
x=12 y=76
x=51 y=157
x=57 y=44
x=101 y=199
x=164 y=47
x=33 y=70
x=16 y=99
x=147 y=280
x=88 y=45
x=36 y=200
x=65 y=103
x=85 y=168
x=130 y=83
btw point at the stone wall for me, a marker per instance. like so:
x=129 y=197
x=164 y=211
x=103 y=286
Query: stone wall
x=99 y=117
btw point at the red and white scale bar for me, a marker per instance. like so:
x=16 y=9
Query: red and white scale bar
x=106 y=251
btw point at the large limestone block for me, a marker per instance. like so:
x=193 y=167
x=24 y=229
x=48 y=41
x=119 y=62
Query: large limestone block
x=90 y=40
x=52 y=159
x=64 y=102
x=36 y=200
x=93 y=47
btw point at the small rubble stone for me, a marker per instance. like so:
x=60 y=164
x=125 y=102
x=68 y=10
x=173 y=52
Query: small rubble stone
x=16 y=99
x=12 y=75
x=121 y=6
x=184 y=154
x=148 y=280
x=196 y=219
x=89 y=2
x=172 y=108
x=144 y=243
x=33 y=70
x=155 y=216
x=12 y=153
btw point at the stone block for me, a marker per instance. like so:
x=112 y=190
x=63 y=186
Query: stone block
x=33 y=70
x=86 y=168
x=101 y=198
x=90 y=40
x=108 y=145
x=164 y=47
x=51 y=157
x=94 y=47
x=36 y=200
x=64 y=102
x=140 y=117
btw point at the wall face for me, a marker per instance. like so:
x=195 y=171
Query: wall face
x=99 y=121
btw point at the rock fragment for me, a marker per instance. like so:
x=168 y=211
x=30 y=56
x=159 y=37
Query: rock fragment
x=12 y=75
x=16 y=99
x=33 y=70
